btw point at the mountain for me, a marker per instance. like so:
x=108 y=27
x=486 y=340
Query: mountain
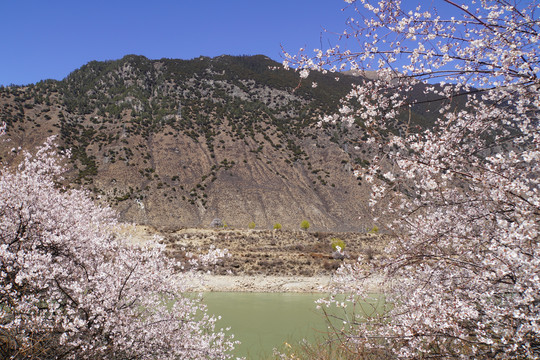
x=176 y=143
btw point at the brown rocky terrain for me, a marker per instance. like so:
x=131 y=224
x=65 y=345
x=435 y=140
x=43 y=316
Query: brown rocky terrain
x=176 y=143
x=171 y=143
x=262 y=260
x=273 y=252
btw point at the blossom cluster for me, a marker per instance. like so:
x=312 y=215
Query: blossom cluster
x=72 y=288
x=460 y=196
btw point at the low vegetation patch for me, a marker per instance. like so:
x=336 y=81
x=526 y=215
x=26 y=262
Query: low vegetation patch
x=268 y=252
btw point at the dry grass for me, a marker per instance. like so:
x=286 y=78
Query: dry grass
x=267 y=252
x=330 y=350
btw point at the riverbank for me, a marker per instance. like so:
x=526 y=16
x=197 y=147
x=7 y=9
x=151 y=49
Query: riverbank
x=263 y=260
x=292 y=254
x=264 y=283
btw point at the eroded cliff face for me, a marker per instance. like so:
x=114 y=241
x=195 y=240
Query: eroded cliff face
x=240 y=186
x=174 y=143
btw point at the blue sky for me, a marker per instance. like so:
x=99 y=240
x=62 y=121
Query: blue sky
x=49 y=39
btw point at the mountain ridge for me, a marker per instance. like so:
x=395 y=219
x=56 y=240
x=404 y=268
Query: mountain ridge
x=176 y=143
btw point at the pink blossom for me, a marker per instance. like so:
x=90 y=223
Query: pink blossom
x=461 y=197
x=71 y=287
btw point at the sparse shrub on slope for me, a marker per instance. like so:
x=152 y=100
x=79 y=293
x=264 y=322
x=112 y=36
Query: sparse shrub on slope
x=374 y=230
x=337 y=242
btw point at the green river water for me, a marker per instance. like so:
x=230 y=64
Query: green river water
x=263 y=321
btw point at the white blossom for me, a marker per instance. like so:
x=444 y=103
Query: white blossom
x=461 y=196
x=71 y=287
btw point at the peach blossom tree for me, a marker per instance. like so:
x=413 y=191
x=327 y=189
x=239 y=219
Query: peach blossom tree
x=461 y=195
x=72 y=289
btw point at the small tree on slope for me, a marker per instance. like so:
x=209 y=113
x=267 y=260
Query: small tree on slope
x=463 y=272
x=70 y=289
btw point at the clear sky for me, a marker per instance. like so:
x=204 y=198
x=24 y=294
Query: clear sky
x=47 y=39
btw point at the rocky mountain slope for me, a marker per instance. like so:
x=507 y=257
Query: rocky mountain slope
x=177 y=143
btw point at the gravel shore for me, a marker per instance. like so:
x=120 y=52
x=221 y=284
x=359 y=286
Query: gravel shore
x=263 y=283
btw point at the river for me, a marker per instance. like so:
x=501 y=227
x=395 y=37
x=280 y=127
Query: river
x=263 y=321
